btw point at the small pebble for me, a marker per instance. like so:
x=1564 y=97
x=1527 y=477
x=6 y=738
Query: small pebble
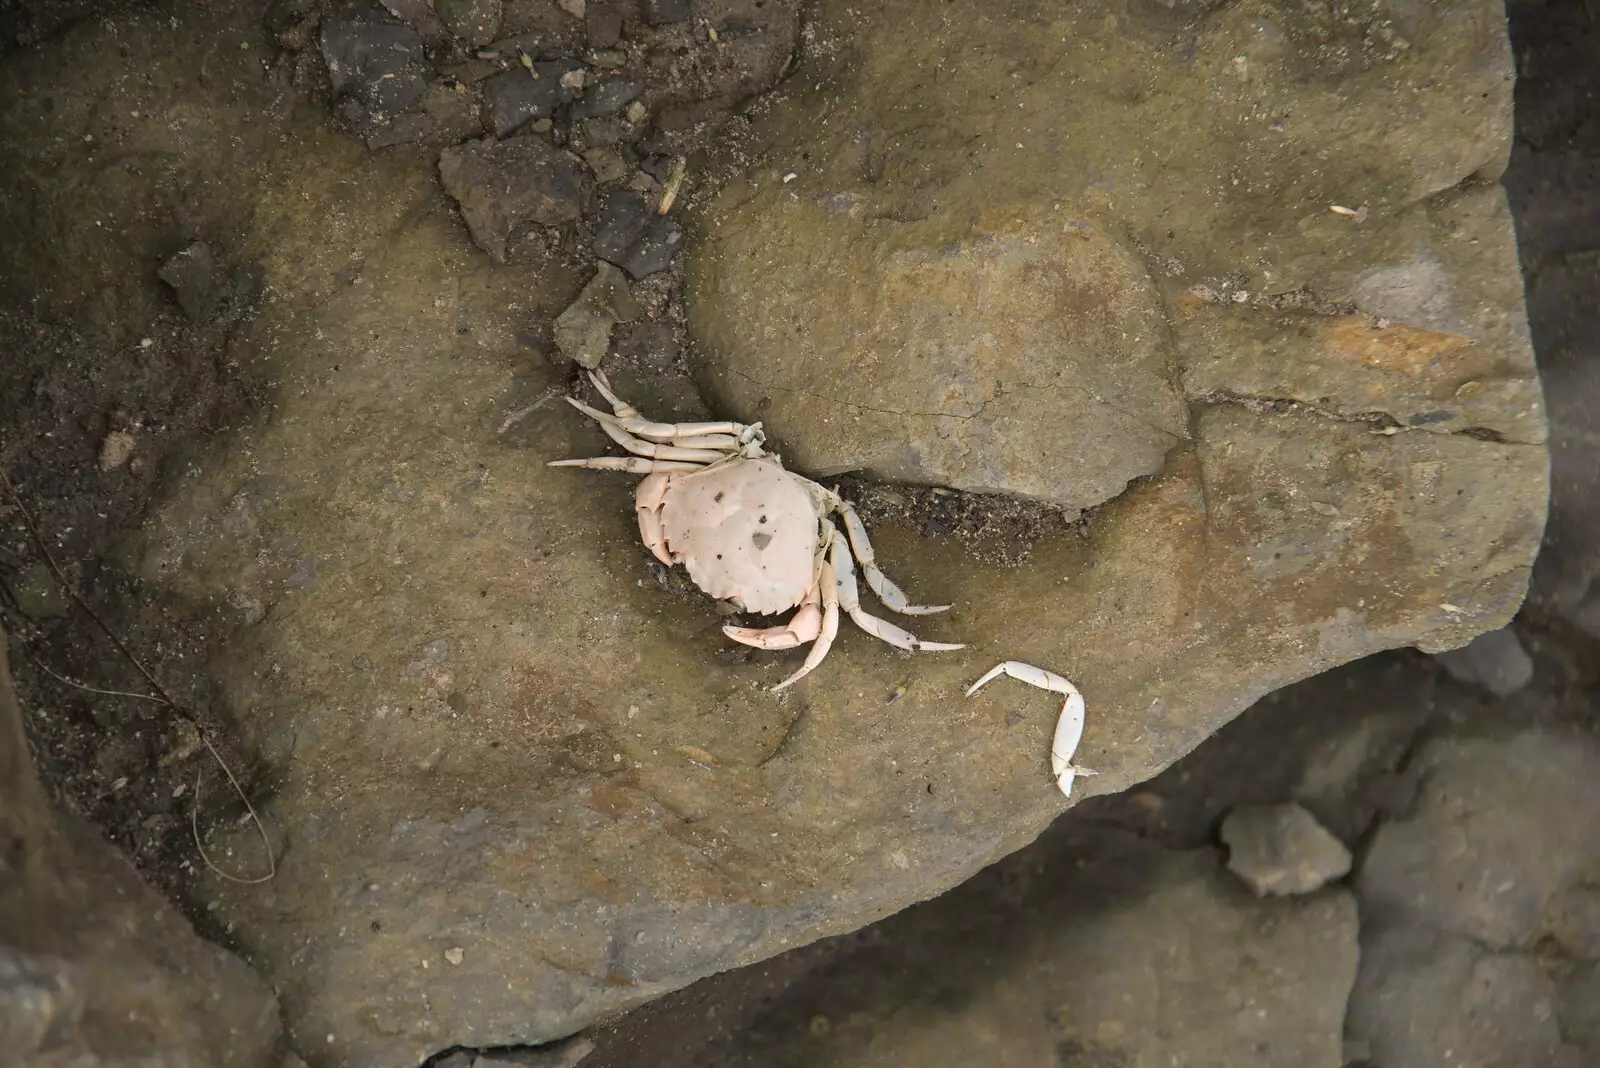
x=116 y=450
x=1282 y=849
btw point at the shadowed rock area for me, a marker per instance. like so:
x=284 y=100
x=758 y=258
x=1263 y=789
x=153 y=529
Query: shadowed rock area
x=95 y=968
x=517 y=783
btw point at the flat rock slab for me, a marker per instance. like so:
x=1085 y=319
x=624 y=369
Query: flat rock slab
x=516 y=782
x=506 y=186
x=1022 y=355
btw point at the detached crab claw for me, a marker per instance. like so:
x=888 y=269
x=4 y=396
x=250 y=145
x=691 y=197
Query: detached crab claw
x=1069 y=728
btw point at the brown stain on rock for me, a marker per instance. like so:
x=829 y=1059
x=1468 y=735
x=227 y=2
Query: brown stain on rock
x=1406 y=349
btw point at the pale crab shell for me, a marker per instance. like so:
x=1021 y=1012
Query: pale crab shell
x=746 y=530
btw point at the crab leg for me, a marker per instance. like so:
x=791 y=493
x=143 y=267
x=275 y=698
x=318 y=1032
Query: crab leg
x=850 y=599
x=629 y=419
x=637 y=465
x=803 y=627
x=1069 y=727
x=613 y=426
x=892 y=596
x=647 y=500
x=830 y=626
x=649 y=448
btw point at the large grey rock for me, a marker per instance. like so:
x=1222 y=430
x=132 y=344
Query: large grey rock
x=520 y=784
x=1025 y=353
x=95 y=968
x=1478 y=904
x=1425 y=998
x=1102 y=950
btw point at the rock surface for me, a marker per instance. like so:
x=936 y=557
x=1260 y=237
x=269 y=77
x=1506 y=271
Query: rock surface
x=583 y=331
x=1282 y=849
x=506 y=186
x=1023 y=298
x=1101 y=949
x=377 y=70
x=95 y=968
x=1479 y=906
x=520 y=782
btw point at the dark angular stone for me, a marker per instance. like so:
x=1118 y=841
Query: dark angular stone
x=662 y=12
x=606 y=98
x=601 y=133
x=513 y=97
x=656 y=249
x=198 y=282
x=623 y=220
x=373 y=61
x=505 y=185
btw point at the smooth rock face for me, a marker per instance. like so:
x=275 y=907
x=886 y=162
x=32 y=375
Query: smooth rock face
x=1023 y=355
x=519 y=783
x=1482 y=921
x=95 y=968
x=1282 y=849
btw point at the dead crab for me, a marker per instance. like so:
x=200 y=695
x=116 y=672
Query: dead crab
x=750 y=532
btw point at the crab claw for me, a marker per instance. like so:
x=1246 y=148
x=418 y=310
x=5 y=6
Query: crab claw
x=1069 y=727
x=803 y=627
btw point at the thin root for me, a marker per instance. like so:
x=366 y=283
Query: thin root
x=163 y=696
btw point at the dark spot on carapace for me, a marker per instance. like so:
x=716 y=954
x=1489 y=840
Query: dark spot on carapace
x=761 y=540
x=718 y=497
x=763 y=519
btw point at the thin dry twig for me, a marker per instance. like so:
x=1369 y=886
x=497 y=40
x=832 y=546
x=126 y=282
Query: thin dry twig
x=194 y=823
x=42 y=666
x=163 y=698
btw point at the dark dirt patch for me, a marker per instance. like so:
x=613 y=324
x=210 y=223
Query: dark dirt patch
x=90 y=434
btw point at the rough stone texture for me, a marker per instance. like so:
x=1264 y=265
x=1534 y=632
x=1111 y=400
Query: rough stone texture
x=376 y=67
x=1282 y=849
x=199 y=283
x=512 y=97
x=1496 y=661
x=1479 y=906
x=488 y=727
x=476 y=22
x=505 y=186
x=1016 y=294
x=1024 y=355
x=1102 y=950
x=95 y=968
